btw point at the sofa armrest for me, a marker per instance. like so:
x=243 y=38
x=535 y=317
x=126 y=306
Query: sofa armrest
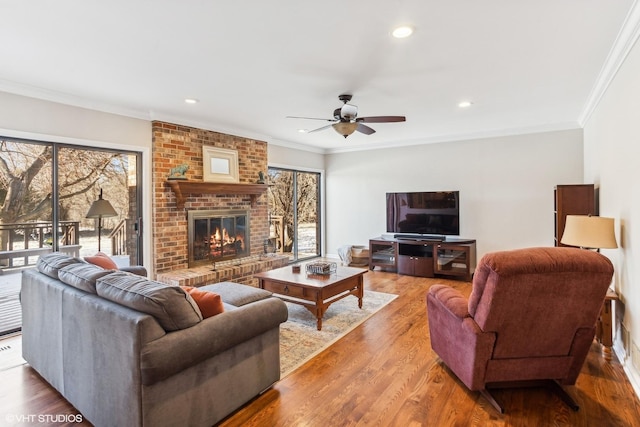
x=182 y=349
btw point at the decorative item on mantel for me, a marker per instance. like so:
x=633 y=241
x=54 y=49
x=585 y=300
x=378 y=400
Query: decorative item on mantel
x=260 y=178
x=179 y=172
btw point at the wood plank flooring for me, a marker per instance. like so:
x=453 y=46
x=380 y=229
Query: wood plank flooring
x=384 y=373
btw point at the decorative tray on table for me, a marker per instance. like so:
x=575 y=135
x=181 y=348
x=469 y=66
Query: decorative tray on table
x=323 y=268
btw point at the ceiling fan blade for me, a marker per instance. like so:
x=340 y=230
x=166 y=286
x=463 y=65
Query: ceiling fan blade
x=381 y=119
x=319 y=129
x=365 y=129
x=310 y=118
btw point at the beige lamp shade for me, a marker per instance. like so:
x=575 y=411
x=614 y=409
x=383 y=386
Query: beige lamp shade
x=589 y=232
x=101 y=208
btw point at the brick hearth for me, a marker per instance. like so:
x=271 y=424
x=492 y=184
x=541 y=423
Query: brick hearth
x=239 y=271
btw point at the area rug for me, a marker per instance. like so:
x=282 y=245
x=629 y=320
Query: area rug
x=300 y=339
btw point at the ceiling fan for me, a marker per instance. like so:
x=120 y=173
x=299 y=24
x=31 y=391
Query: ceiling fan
x=346 y=121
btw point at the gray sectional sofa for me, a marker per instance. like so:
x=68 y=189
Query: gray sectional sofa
x=127 y=351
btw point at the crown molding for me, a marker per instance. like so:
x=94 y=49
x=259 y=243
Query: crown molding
x=626 y=39
x=497 y=133
x=298 y=146
x=70 y=100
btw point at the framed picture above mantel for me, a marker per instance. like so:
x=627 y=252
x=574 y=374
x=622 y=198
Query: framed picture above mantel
x=219 y=164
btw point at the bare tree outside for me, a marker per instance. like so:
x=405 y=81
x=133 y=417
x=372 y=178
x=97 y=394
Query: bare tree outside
x=26 y=185
x=294 y=197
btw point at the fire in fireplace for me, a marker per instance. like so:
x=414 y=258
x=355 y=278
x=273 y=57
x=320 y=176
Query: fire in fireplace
x=216 y=235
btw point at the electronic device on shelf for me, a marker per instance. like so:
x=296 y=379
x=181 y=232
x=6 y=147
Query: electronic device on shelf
x=427 y=215
x=430 y=237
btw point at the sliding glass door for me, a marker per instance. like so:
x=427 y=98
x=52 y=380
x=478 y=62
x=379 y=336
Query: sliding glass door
x=46 y=193
x=294 y=210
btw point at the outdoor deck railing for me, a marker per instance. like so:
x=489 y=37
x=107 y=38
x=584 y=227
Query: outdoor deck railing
x=119 y=238
x=25 y=242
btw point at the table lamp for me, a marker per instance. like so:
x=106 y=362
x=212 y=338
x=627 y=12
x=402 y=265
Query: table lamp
x=101 y=208
x=589 y=232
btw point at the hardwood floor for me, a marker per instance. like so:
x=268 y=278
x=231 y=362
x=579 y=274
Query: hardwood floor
x=384 y=373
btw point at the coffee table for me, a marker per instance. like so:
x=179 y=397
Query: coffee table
x=314 y=291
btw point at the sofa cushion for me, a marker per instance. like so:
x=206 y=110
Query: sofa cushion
x=236 y=293
x=172 y=307
x=82 y=276
x=209 y=303
x=49 y=264
x=102 y=260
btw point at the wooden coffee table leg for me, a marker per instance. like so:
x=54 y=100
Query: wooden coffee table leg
x=320 y=309
x=360 y=291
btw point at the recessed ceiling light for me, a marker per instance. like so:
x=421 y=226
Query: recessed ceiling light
x=302 y=130
x=402 y=32
x=191 y=100
x=465 y=104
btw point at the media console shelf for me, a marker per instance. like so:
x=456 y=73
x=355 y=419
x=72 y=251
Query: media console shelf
x=424 y=257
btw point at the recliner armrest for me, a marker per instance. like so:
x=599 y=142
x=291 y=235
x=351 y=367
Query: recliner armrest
x=451 y=299
x=456 y=337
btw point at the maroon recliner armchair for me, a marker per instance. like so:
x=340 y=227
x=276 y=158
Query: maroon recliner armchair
x=530 y=318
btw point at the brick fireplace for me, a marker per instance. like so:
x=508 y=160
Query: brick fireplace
x=175 y=145
x=217 y=235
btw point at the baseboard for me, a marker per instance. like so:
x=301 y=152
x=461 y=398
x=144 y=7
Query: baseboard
x=632 y=374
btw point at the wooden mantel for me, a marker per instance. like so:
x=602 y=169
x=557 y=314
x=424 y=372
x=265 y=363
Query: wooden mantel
x=183 y=188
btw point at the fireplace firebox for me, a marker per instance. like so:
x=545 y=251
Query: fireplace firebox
x=217 y=235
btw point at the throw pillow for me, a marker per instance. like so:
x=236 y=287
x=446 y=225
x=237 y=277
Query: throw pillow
x=209 y=303
x=102 y=260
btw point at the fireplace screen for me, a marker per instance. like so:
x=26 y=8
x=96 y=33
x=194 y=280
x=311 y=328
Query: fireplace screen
x=217 y=235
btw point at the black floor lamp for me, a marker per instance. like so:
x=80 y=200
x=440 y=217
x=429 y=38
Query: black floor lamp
x=101 y=208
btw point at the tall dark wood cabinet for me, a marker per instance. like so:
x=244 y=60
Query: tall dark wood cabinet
x=578 y=199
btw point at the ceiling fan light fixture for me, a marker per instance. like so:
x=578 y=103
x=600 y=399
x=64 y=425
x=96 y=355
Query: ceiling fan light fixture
x=402 y=31
x=345 y=128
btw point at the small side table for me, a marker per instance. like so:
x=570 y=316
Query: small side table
x=604 y=326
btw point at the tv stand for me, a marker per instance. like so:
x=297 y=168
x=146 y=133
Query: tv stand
x=424 y=256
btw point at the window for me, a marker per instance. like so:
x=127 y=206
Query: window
x=294 y=212
x=46 y=190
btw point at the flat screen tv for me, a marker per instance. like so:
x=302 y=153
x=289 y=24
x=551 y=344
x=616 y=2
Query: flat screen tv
x=424 y=213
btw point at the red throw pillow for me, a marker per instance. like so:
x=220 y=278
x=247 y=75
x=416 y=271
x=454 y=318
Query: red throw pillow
x=209 y=303
x=102 y=260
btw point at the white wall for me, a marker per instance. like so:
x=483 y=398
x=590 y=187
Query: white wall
x=29 y=118
x=612 y=159
x=301 y=159
x=505 y=183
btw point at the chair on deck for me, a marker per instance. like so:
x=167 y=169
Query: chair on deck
x=530 y=319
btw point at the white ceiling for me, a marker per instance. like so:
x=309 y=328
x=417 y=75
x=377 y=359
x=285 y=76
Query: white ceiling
x=525 y=65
